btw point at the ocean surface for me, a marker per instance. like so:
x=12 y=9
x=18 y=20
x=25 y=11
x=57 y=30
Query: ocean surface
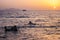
x=29 y=14
x=22 y=18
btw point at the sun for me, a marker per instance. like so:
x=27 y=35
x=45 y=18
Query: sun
x=54 y=7
x=53 y=3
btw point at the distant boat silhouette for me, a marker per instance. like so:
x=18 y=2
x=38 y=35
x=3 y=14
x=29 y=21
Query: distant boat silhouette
x=13 y=28
x=24 y=10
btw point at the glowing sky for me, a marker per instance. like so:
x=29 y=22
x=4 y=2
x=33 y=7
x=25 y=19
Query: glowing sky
x=31 y=4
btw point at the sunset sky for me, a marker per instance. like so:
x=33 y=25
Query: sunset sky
x=31 y=4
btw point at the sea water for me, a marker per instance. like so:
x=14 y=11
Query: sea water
x=20 y=18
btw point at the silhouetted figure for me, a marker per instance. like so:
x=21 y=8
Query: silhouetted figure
x=30 y=23
x=5 y=28
x=14 y=28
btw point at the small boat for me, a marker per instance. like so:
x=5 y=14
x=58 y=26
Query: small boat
x=24 y=10
x=12 y=28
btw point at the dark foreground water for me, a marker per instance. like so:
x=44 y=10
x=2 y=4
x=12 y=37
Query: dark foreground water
x=31 y=34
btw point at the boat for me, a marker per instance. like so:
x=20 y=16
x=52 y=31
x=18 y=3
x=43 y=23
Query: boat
x=10 y=28
x=24 y=10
